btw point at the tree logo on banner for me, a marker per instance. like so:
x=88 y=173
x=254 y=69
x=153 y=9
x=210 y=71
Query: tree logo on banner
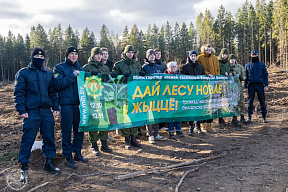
x=93 y=86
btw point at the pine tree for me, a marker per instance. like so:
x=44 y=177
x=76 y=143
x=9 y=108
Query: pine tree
x=19 y=48
x=38 y=37
x=27 y=48
x=207 y=26
x=229 y=32
x=154 y=37
x=184 y=47
x=162 y=41
x=168 y=42
x=87 y=42
x=104 y=37
x=125 y=38
x=70 y=38
x=177 y=43
x=199 y=26
x=192 y=33
x=219 y=29
x=269 y=25
x=2 y=58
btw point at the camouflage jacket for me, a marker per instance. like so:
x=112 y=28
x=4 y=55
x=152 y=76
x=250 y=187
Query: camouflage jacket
x=127 y=65
x=98 y=67
x=239 y=71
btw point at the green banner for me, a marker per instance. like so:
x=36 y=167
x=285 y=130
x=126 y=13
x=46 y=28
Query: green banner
x=108 y=103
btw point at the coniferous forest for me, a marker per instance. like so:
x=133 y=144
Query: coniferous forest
x=262 y=26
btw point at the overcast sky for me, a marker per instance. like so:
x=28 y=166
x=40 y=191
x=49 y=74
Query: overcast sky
x=19 y=15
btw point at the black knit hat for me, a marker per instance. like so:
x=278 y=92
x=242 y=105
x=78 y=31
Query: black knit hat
x=192 y=52
x=37 y=51
x=71 y=49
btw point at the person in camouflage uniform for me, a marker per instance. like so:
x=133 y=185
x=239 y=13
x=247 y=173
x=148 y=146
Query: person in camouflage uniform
x=238 y=71
x=126 y=66
x=224 y=70
x=95 y=66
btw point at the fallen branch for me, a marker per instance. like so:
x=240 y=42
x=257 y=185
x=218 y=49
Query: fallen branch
x=4 y=170
x=181 y=180
x=188 y=166
x=91 y=174
x=279 y=100
x=4 y=189
x=138 y=173
x=39 y=186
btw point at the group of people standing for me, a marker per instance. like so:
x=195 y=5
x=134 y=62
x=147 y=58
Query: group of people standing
x=38 y=90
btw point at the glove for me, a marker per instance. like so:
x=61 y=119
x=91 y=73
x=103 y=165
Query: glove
x=114 y=75
x=126 y=74
x=105 y=77
x=94 y=73
x=241 y=78
x=141 y=73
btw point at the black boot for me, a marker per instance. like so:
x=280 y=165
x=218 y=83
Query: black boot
x=134 y=142
x=191 y=131
x=198 y=127
x=264 y=119
x=95 y=149
x=222 y=122
x=171 y=135
x=70 y=163
x=243 y=119
x=139 y=132
x=249 y=120
x=104 y=147
x=127 y=143
x=79 y=157
x=48 y=166
x=24 y=173
x=235 y=122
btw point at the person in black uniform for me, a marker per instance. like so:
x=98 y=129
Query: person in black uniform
x=34 y=96
x=65 y=82
x=256 y=82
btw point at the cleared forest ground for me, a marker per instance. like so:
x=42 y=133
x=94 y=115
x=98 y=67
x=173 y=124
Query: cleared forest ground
x=255 y=159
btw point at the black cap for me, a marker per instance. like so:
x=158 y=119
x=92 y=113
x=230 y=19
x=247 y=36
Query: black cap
x=71 y=49
x=37 y=51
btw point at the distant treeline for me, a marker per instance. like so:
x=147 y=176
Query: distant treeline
x=262 y=27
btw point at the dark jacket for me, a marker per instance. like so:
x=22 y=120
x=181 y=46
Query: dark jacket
x=192 y=68
x=126 y=65
x=34 y=89
x=110 y=64
x=150 y=68
x=256 y=73
x=163 y=65
x=96 y=66
x=65 y=82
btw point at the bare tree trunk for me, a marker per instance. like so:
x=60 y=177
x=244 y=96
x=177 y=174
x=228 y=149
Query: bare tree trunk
x=2 y=71
x=252 y=42
x=270 y=45
x=259 y=46
x=286 y=60
x=265 y=54
x=8 y=75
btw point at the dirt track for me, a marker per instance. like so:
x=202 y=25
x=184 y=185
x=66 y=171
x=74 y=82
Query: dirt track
x=252 y=160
